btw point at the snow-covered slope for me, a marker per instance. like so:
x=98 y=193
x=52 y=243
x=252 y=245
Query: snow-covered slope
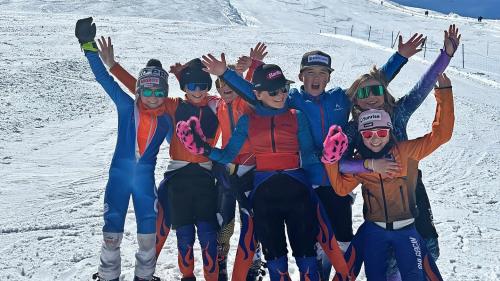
x=58 y=127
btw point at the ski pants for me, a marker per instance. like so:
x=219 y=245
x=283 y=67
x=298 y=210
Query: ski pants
x=282 y=200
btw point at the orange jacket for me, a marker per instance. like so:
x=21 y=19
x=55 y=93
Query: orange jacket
x=388 y=200
x=179 y=109
x=228 y=115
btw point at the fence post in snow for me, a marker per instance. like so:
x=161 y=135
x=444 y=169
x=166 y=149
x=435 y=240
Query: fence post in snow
x=425 y=47
x=335 y=30
x=352 y=27
x=463 y=56
x=369 y=33
x=392 y=38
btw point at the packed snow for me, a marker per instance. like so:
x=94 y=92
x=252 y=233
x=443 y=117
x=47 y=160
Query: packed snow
x=58 y=127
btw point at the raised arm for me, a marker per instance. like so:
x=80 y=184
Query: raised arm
x=85 y=32
x=409 y=103
x=219 y=68
x=442 y=126
x=405 y=50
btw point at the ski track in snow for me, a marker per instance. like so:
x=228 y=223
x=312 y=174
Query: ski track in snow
x=59 y=130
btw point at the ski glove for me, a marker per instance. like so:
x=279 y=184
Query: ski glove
x=85 y=32
x=334 y=146
x=191 y=135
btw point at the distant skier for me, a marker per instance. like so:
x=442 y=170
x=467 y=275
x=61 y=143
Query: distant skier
x=142 y=128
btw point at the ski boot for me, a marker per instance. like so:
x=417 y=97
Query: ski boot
x=154 y=278
x=256 y=272
x=96 y=277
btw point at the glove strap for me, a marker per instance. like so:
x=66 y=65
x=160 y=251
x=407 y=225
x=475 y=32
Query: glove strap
x=90 y=46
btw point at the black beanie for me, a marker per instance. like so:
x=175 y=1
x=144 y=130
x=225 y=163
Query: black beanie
x=154 y=62
x=193 y=73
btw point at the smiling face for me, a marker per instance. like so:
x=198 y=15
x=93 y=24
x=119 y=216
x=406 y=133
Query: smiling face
x=277 y=101
x=226 y=93
x=315 y=79
x=152 y=97
x=375 y=139
x=197 y=95
x=372 y=101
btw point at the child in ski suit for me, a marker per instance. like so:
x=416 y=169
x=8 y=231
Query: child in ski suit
x=281 y=191
x=324 y=108
x=389 y=203
x=400 y=111
x=237 y=182
x=141 y=129
x=188 y=194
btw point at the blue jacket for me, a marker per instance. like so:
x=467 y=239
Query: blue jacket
x=403 y=109
x=129 y=173
x=329 y=108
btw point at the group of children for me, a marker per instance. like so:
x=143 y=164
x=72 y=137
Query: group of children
x=289 y=157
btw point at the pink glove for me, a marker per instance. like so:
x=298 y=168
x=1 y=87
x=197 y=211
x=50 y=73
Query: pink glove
x=334 y=146
x=191 y=135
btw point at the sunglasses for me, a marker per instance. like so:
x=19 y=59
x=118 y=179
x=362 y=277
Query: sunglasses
x=159 y=93
x=283 y=89
x=376 y=90
x=194 y=86
x=381 y=133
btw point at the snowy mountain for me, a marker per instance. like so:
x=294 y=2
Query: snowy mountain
x=58 y=127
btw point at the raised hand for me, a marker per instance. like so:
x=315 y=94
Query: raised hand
x=334 y=146
x=176 y=68
x=451 y=40
x=213 y=65
x=443 y=81
x=106 y=51
x=259 y=52
x=412 y=46
x=85 y=30
x=244 y=63
x=385 y=167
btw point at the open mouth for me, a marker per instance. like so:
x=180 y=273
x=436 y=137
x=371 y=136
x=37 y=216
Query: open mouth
x=196 y=96
x=315 y=86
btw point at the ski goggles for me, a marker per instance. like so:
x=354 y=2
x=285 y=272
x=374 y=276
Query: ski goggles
x=197 y=86
x=376 y=90
x=283 y=89
x=159 y=93
x=381 y=133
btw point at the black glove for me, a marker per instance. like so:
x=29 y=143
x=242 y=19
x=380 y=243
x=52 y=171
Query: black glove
x=85 y=32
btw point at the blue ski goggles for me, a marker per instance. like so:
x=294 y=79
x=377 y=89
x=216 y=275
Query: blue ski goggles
x=197 y=86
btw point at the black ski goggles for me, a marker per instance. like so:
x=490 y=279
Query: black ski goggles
x=283 y=90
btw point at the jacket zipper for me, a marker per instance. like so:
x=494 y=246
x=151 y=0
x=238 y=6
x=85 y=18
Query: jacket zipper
x=402 y=197
x=231 y=118
x=272 y=134
x=383 y=198
x=369 y=195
